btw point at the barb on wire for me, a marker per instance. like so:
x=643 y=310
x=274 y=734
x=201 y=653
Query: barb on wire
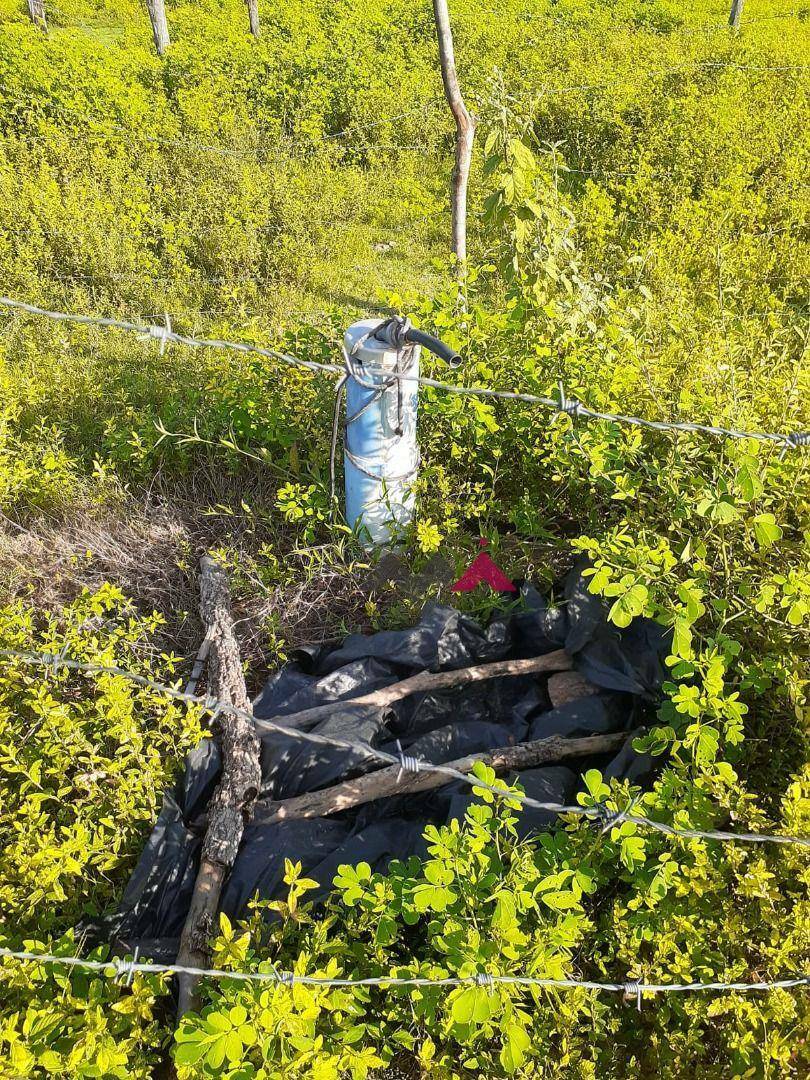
x=790 y=441
x=404 y=762
x=116 y=967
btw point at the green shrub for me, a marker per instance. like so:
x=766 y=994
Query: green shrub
x=84 y=762
x=629 y=906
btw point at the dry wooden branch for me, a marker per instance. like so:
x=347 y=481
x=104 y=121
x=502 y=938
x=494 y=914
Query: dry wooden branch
x=569 y=686
x=392 y=781
x=232 y=803
x=199 y=663
x=465 y=129
x=429 y=682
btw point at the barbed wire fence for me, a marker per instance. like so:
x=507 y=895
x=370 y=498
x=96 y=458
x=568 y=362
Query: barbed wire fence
x=285 y=146
x=606 y=817
x=601 y=814
x=562 y=404
x=117 y=967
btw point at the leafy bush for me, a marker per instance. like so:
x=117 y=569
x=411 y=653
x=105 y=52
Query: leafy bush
x=629 y=906
x=85 y=760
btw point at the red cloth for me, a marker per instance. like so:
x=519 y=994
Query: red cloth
x=482 y=570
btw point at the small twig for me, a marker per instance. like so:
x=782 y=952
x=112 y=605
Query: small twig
x=199 y=662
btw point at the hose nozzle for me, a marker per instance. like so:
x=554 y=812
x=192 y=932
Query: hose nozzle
x=397 y=331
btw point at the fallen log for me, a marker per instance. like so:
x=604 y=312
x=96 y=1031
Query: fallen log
x=393 y=781
x=428 y=682
x=232 y=803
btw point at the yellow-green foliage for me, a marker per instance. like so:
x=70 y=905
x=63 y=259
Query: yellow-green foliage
x=485 y=902
x=85 y=760
x=639 y=210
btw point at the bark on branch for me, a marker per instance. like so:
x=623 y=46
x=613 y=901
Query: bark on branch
x=232 y=803
x=735 y=14
x=465 y=129
x=392 y=781
x=428 y=682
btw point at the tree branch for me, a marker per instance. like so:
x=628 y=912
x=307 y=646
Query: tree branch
x=465 y=128
x=428 y=682
x=392 y=781
x=232 y=803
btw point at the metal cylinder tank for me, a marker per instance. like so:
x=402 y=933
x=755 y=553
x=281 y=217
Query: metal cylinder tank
x=381 y=456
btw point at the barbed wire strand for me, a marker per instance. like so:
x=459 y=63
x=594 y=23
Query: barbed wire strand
x=117 y=967
x=642 y=28
x=606 y=817
x=563 y=405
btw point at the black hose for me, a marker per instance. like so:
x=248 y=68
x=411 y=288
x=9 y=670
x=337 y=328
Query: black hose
x=434 y=345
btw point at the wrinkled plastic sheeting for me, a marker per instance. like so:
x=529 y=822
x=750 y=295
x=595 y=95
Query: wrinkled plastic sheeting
x=626 y=664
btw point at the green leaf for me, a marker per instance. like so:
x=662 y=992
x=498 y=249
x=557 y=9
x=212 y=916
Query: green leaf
x=386 y=932
x=632 y=851
x=766 y=531
x=629 y=605
x=516 y=1041
x=724 y=511
x=596 y=786
x=682 y=638
x=216 y=1052
x=749 y=484
x=233 y=1047
x=797 y=612
x=563 y=900
x=474 y=1005
x=217 y=1021
x=189 y=1053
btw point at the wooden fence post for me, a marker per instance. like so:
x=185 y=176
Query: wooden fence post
x=253 y=16
x=36 y=9
x=465 y=130
x=736 y=14
x=160 y=28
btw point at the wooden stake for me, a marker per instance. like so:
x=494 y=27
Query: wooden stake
x=231 y=806
x=36 y=9
x=735 y=14
x=160 y=28
x=429 y=682
x=465 y=130
x=393 y=781
x=253 y=16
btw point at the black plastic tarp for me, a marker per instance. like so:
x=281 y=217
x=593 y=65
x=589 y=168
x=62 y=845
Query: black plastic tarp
x=626 y=664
